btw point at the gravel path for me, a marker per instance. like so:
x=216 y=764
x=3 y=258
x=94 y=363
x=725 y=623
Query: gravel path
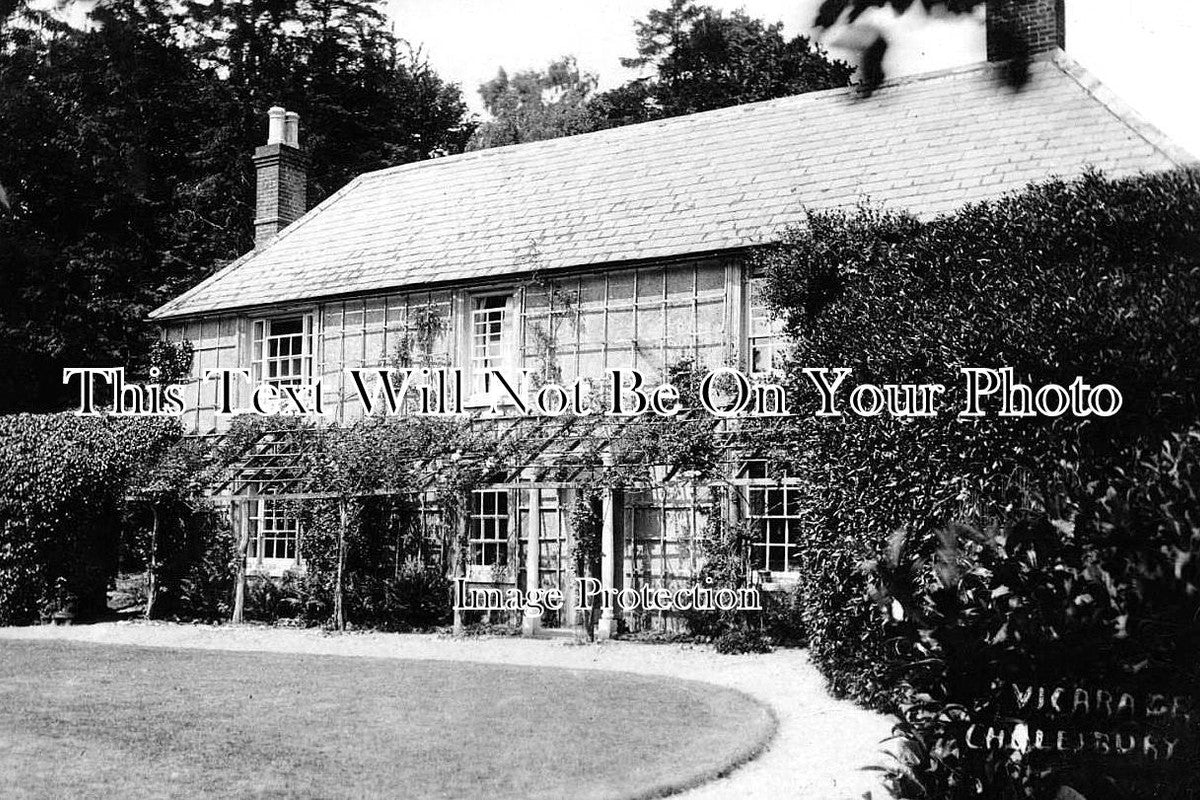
x=819 y=751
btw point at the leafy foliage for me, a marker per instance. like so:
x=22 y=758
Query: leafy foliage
x=535 y=105
x=704 y=59
x=173 y=360
x=739 y=641
x=697 y=57
x=1096 y=278
x=62 y=485
x=1110 y=597
x=1007 y=42
x=126 y=172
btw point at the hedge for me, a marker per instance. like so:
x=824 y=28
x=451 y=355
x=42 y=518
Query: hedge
x=63 y=480
x=1094 y=277
x=1108 y=599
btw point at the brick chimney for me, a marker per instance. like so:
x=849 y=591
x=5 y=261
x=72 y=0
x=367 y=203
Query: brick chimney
x=282 y=176
x=1024 y=28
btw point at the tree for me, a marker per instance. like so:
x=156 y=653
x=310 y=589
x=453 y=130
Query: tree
x=698 y=58
x=112 y=205
x=126 y=167
x=366 y=100
x=535 y=105
x=704 y=59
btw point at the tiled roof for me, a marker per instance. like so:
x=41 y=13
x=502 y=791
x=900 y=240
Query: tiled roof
x=721 y=179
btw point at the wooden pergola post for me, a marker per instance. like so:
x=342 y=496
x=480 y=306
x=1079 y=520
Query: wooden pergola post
x=458 y=567
x=241 y=532
x=608 y=564
x=532 y=625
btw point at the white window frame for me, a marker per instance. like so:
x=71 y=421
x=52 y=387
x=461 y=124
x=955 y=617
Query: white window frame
x=270 y=522
x=776 y=526
x=489 y=529
x=763 y=333
x=495 y=353
x=756 y=488
x=263 y=340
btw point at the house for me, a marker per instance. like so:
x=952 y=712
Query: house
x=620 y=248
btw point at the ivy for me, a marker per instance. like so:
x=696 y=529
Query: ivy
x=63 y=480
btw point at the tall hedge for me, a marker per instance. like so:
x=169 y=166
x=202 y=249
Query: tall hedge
x=62 y=482
x=1094 y=277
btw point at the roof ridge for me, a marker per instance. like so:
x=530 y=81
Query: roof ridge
x=702 y=183
x=697 y=117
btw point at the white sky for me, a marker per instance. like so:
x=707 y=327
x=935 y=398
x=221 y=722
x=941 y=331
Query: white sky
x=1144 y=50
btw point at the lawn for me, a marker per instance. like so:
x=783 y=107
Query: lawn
x=83 y=720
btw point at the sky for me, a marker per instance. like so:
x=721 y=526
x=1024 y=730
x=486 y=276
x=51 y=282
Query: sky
x=1144 y=50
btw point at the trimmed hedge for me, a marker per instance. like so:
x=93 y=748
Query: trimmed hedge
x=1094 y=277
x=63 y=479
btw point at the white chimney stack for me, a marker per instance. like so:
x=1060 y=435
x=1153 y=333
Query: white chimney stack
x=291 y=129
x=276 y=125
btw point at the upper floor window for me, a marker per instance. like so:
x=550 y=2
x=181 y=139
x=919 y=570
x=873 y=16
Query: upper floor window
x=283 y=350
x=765 y=345
x=489 y=527
x=489 y=333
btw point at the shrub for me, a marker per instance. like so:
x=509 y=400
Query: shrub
x=1109 y=598
x=738 y=641
x=783 y=617
x=63 y=480
x=275 y=599
x=386 y=585
x=204 y=589
x=1096 y=278
x=416 y=598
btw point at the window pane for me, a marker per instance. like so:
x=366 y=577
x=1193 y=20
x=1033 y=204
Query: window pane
x=758 y=557
x=278 y=531
x=775 y=510
x=775 y=561
x=756 y=502
x=282 y=327
x=793 y=502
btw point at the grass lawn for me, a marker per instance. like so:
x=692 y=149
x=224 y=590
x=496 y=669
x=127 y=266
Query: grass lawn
x=83 y=720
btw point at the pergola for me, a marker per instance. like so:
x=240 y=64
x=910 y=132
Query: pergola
x=533 y=450
x=612 y=452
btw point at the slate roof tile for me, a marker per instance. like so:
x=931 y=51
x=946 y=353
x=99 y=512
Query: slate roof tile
x=722 y=179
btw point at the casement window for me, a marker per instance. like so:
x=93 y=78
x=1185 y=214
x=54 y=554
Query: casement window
x=489 y=527
x=274 y=535
x=283 y=350
x=765 y=345
x=489 y=339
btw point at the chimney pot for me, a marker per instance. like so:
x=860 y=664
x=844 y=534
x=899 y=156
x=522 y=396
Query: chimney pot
x=275 y=125
x=291 y=129
x=282 y=177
